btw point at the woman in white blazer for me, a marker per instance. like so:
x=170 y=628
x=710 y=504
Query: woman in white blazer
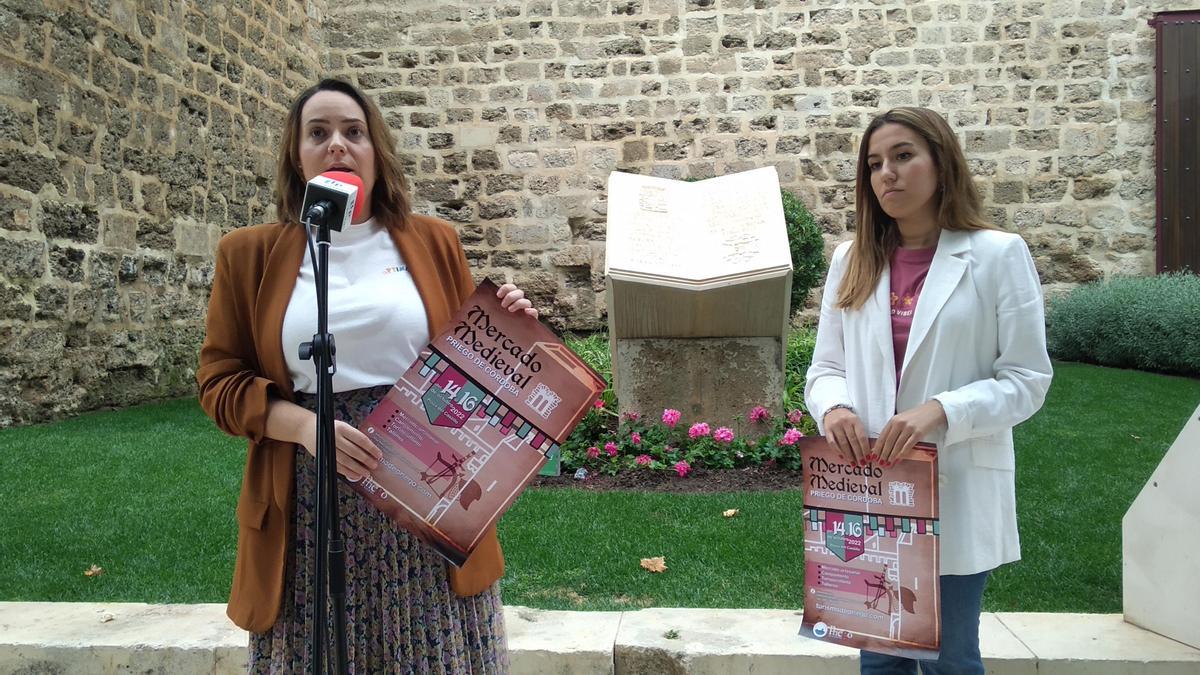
x=932 y=328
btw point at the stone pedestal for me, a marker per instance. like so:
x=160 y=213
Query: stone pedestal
x=714 y=380
x=1161 y=549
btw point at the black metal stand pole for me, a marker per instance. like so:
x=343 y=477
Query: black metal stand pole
x=331 y=552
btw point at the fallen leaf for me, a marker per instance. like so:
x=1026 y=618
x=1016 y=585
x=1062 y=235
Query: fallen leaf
x=729 y=513
x=93 y=571
x=657 y=564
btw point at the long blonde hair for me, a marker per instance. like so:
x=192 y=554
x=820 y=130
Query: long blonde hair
x=390 y=204
x=876 y=235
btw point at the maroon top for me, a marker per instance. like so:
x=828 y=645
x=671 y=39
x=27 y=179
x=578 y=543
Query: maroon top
x=909 y=267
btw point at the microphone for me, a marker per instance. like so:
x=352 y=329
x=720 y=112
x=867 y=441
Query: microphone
x=334 y=198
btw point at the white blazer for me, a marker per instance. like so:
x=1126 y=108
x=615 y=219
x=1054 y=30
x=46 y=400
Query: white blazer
x=977 y=345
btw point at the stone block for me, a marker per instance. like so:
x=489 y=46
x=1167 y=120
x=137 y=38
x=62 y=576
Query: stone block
x=544 y=642
x=577 y=255
x=67 y=263
x=1047 y=190
x=504 y=182
x=712 y=642
x=477 y=136
x=635 y=151
x=522 y=159
x=671 y=151
x=23 y=259
x=697 y=44
x=830 y=143
x=1037 y=139
x=526 y=235
x=30 y=171
x=196 y=239
x=714 y=380
x=1008 y=192
x=500 y=208
x=1159 y=562
x=77 y=222
x=81 y=638
x=991 y=140
x=601 y=158
x=1098 y=644
x=1002 y=652
x=560 y=158
x=15 y=212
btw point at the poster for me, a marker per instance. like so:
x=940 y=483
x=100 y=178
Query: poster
x=871 y=552
x=472 y=421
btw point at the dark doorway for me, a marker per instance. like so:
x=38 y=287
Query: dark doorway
x=1178 y=152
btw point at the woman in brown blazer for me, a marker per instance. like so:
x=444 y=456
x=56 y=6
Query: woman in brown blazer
x=395 y=279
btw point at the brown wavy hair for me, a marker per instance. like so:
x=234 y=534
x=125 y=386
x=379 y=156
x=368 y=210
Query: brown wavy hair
x=390 y=203
x=876 y=235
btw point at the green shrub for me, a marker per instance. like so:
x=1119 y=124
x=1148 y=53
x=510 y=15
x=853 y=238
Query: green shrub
x=594 y=351
x=800 y=345
x=1147 y=323
x=807 y=246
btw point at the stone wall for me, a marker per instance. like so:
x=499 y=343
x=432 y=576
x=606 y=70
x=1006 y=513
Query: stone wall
x=514 y=112
x=132 y=134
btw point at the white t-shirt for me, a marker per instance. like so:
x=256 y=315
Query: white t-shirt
x=375 y=312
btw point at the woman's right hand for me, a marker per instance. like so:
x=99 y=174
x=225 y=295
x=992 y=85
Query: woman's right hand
x=846 y=436
x=357 y=456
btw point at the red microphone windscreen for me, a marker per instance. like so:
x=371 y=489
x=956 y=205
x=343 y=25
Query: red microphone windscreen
x=360 y=199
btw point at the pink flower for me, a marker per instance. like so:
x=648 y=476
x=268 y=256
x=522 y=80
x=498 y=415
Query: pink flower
x=670 y=417
x=635 y=438
x=682 y=468
x=611 y=449
x=643 y=460
x=668 y=448
x=723 y=435
x=791 y=436
x=759 y=414
x=593 y=452
x=632 y=416
x=795 y=416
x=698 y=430
x=599 y=404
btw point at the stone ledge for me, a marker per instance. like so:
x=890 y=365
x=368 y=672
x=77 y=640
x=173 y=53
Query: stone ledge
x=69 y=638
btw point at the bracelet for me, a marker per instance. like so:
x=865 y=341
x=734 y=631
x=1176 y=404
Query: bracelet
x=835 y=406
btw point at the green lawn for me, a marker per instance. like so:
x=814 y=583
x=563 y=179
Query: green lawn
x=1081 y=462
x=148 y=494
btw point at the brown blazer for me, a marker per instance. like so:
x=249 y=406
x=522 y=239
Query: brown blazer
x=242 y=367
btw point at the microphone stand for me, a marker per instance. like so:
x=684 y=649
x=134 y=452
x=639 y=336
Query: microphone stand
x=331 y=551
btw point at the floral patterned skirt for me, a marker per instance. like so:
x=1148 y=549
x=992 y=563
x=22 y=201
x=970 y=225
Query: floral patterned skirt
x=401 y=616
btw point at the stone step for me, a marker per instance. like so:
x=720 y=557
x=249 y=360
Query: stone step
x=70 y=638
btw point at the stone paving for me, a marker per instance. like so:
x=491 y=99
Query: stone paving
x=70 y=638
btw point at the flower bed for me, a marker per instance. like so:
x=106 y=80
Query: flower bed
x=607 y=443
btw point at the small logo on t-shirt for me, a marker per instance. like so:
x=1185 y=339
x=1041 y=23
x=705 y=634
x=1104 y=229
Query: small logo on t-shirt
x=394 y=269
x=902 y=306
